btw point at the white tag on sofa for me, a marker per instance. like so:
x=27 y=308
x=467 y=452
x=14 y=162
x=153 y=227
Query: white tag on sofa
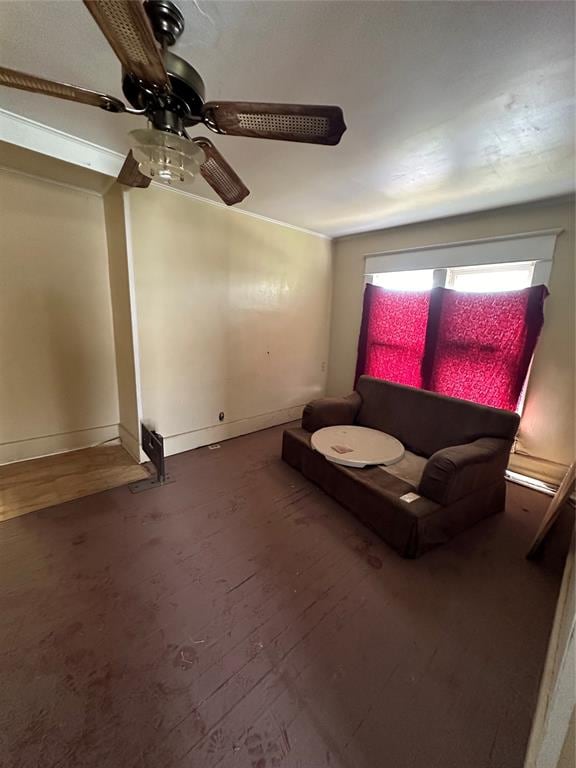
x=409 y=497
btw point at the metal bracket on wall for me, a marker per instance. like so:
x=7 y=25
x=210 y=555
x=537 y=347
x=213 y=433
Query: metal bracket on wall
x=153 y=447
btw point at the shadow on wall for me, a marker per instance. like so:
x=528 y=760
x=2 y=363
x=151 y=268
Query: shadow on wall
x=72 y=374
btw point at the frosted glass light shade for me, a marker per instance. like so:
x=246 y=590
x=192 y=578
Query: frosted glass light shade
x=166 y=157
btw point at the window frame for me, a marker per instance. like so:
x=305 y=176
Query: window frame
x=537 y=246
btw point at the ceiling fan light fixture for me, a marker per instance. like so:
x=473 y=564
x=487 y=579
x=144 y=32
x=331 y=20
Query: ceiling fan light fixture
x=166 y=90
x=166 y=157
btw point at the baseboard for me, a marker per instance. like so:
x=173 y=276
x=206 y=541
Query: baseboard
x=199 y=437
x=548 y=472
x=47 y=445
x=130 y=443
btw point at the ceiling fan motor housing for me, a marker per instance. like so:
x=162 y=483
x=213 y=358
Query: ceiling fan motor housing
x=166 y=89
x=166 y=19
x=182 y=107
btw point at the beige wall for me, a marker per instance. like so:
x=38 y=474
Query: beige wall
x=58 y=374
x=547 y=429
x=233 y=315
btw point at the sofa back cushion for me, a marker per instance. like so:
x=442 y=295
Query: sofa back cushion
x=424 y=421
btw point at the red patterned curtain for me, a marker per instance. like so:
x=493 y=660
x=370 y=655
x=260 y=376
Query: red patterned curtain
x=475 y=346
x=393 y=335
x=480 y=344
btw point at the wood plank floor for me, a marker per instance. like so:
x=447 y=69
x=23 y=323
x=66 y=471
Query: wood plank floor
x=239 y=618
x=26 y=486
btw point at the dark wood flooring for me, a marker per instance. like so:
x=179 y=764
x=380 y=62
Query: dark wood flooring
x=239 y=618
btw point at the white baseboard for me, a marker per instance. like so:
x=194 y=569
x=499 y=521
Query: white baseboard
x=130 y=443
x=548 y=472
x=197 y=438
x=34 y=447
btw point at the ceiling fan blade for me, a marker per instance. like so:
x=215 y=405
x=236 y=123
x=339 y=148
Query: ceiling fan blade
x=287 y=122
x=220 y=175
x=127 y=28
x=24 y=82
x=130 y=174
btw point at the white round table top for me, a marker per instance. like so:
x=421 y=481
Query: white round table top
x=355 y=446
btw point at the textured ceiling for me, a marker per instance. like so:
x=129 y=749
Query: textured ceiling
x=451 y=106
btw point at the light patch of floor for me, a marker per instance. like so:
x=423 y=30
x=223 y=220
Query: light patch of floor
x=30 y=485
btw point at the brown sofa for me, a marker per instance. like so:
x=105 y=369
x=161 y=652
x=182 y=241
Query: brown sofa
x=456 y=455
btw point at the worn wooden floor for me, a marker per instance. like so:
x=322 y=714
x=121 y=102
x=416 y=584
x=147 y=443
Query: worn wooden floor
x=26 y=486
x=239 y=618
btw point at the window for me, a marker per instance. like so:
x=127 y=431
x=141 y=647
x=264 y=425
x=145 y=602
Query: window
x=472 y=341
x=480 y=278
x=491 y=278
x=410 y=280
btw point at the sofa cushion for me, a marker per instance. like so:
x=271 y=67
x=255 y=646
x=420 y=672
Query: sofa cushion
x=410 y=468
x=426 y=422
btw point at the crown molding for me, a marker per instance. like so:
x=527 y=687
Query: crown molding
x=41 y=138
x=239 y=211
x=15 y=129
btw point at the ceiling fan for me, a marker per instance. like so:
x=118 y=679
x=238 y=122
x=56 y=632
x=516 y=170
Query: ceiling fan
x=170 y=93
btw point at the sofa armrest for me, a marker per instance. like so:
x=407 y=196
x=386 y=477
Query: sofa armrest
x=452 y=473
x=331 y=412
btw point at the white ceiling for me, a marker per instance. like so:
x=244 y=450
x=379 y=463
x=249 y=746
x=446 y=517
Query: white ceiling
x=451 y=106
